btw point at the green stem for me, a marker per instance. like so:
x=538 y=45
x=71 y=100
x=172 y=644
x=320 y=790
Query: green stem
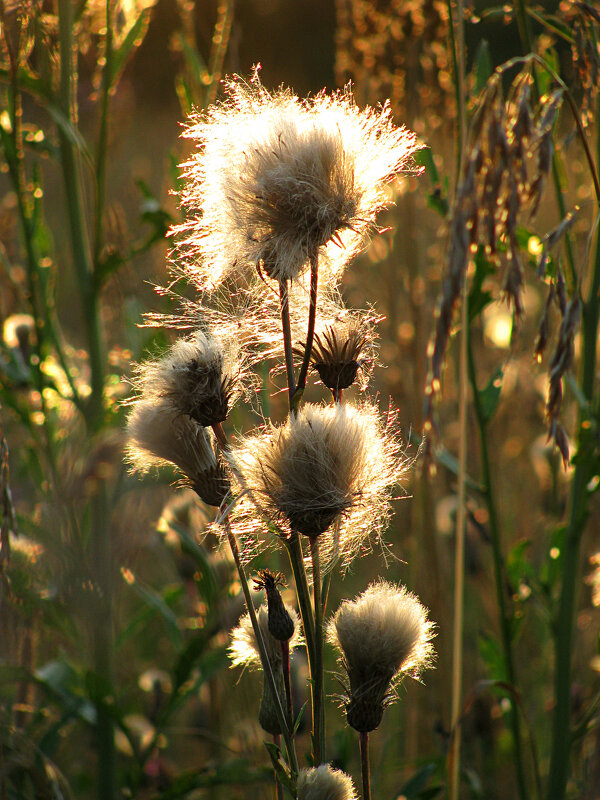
x=266 y=664
x=365 y=766
x=296 y=557
x=102 y=148
x=570 y=558
x=505 y=623
x=318 y=693
x=278 y=786
x=284 y=302
x=285 y=663
x=79 y=243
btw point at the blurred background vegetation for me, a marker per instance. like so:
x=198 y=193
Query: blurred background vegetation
x=114 y=610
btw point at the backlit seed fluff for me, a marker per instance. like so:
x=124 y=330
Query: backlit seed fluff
x=327 y=472
x=277 y=181
x=381 y=635
x=159 y=434
x=324 y=783
x=200 y=376
x=243 y=649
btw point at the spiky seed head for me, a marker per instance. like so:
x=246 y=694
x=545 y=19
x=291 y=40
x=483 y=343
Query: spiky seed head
x=281 y=625
x=382 y=635
x=278 y=181
x=326 y=464
x=324 y=783
x=199 y=376
x=336 y=355
x=158 y=435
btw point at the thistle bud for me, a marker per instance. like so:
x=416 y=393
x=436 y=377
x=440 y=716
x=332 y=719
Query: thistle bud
x=280 y=623
x=335 y=355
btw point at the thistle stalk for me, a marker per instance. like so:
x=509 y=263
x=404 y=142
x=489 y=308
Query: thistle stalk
x=312 y=313
x=365 y=766
x=318 y=693
x=287 y=340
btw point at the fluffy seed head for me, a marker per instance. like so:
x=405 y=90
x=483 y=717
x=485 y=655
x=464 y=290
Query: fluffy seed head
x=200 y=376
x=277 y=181
x=336 y=354
x=381 y=635
x=327 y=472
x=158 y=435
x=324 y=783
x=243 y=650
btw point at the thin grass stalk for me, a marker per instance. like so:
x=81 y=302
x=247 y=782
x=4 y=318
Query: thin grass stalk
x=79 y=238
x=312 y=313
x=365 y=765
x=505 y=634
x=220 y=43
x=458 y=59
x=266 y=664
x=318 y=693
x=284 y=303
x=570 y=559
x=102 y=147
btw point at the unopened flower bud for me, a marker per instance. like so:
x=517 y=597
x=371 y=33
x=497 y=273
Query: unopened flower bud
x=281 y=625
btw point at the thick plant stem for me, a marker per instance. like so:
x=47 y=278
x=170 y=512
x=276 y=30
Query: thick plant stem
x=266 y=664
x=570 y=558
x=296 y=557
x=285 y=662
x=505 y=634
x=365 y=766
x=284 y=302
x=318 y=696
x=278 y=786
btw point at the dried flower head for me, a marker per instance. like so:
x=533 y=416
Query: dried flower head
x=324 y=783
x=278 y=181
x=159 y=434
x=325 y=465
x=199 y=376
x=336 y=355
x=382 y=635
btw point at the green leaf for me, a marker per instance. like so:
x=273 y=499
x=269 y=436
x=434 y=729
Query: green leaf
x=437 y=199
x=490 y=396
x=483 y=65
x=280 y=768
x=491 y=654
x=133 y=39
x=157 y=602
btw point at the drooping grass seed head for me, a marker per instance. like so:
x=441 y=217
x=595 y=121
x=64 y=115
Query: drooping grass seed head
x=278 y=181
x=159 y=434
x=381 y=635
x=200 y=376
x=328 y=472
x=281 y=624
x=324 y=783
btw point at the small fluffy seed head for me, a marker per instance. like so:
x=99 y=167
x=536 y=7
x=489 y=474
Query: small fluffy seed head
x=327 y=472
x=243 y=650
x=324 y=783
x=336 y=354
x=382 y=635
x=158 y=435
x=200 y=376
x=278 y=181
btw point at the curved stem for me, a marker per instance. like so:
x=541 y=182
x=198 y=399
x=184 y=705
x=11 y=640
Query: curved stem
x=284 y=302
x=312 y=314
x=318 y=695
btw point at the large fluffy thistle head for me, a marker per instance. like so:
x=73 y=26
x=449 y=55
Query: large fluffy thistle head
x=382 y=635
x=324 y=783
x=277 y=181
x=327 y=472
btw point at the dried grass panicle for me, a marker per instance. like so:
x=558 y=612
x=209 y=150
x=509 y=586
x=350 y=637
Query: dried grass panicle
x=324 y=783
x=278 y=181
x=159 y=434
x=201 y=377
x=585 y=21
x=510 y=146
x=243 y=649
x=382 y=635
x=327 y=464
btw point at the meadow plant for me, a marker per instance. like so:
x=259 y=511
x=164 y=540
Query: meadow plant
x=279 y=187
